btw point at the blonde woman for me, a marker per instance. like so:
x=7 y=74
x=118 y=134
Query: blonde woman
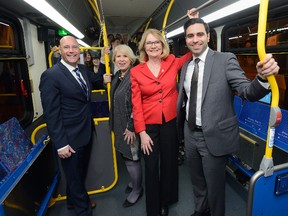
x=121 y=120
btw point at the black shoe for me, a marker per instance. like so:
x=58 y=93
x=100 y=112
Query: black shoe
x=164 y=211
x=128 y=189
x=127 y=204
x=205 y=213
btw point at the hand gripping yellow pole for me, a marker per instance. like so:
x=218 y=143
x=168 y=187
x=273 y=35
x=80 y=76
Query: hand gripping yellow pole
x=275 y=113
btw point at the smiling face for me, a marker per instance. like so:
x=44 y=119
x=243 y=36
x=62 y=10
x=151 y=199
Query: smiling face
x=96 y=61
x=88 y=57
x=197 y=39
x=69 y=50
x=122 y=61
x=153 y=46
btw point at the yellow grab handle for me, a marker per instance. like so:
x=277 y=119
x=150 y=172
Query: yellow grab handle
x=271 y=79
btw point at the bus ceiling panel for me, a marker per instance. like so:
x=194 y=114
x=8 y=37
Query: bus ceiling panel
x=128 y=15
x=125 y=16
x=77 y=12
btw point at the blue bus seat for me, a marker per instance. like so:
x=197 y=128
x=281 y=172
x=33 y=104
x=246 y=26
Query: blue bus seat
x=14 y=144
x=281 y=132
x=23 y=164
x=254 y=118
x=269 y=195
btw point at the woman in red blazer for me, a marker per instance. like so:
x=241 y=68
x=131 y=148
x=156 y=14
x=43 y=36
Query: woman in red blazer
x=154 y=97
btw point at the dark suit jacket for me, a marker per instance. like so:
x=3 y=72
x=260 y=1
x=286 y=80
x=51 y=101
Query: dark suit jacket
x=66 y=107
x=223 y=77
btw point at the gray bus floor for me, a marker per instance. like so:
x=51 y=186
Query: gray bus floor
x=110 y=203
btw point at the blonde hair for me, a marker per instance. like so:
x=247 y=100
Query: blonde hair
x=126 y=50
x=157 y=34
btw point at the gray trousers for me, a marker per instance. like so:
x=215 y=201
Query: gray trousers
x=207 y=173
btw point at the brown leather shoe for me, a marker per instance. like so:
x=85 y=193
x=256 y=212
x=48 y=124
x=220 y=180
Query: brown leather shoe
x=93 y=205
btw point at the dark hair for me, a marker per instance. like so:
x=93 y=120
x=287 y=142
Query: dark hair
x=194 y=21
x=110 y=35
x=96 y=57
x=114 y=39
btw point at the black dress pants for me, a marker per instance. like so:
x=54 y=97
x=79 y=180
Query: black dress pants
x=75 y=169
x=161 y=167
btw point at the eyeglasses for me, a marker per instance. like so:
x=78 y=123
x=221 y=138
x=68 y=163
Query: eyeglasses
x=150 y=43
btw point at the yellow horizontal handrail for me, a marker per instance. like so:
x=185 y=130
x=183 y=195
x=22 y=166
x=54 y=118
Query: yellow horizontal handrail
x=8 y=95
x=33 y=135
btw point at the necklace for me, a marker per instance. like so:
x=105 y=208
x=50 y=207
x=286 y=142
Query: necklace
x=122 y=74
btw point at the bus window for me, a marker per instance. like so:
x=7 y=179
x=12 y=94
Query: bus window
x=244 y=36
x=15 y=91
x=277 y=33
x=6 y=36
x=248 y=62
x=241 y=39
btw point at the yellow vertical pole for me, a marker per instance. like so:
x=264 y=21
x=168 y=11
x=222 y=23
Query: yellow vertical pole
x=275 y=113
x=107 y=61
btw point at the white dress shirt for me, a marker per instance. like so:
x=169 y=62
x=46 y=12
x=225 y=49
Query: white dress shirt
x=187 y=85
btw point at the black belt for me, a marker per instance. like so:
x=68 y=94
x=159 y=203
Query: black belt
x=198 y=128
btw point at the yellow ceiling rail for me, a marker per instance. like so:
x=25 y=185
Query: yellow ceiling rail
x=95 y=8
x=148 y=23
x=166 y=16
x=275 y=113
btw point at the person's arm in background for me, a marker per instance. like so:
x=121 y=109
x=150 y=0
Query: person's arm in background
x=192 y=13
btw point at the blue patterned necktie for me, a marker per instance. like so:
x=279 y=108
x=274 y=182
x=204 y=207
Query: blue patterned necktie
x=81 y=81
x=193 y=96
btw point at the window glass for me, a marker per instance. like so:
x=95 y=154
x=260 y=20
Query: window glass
x=245 y=36
x=248 y=63
x=7 y=40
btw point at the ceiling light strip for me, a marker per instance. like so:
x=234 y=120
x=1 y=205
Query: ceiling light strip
x=49 y=11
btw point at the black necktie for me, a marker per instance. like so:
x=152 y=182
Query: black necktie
x=81 y=81
x=193 y=96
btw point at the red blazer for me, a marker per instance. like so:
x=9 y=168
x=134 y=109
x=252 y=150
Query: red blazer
x=153 y=96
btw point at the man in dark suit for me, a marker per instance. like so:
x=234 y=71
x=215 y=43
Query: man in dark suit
x=211 y=130
x=65 y=96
